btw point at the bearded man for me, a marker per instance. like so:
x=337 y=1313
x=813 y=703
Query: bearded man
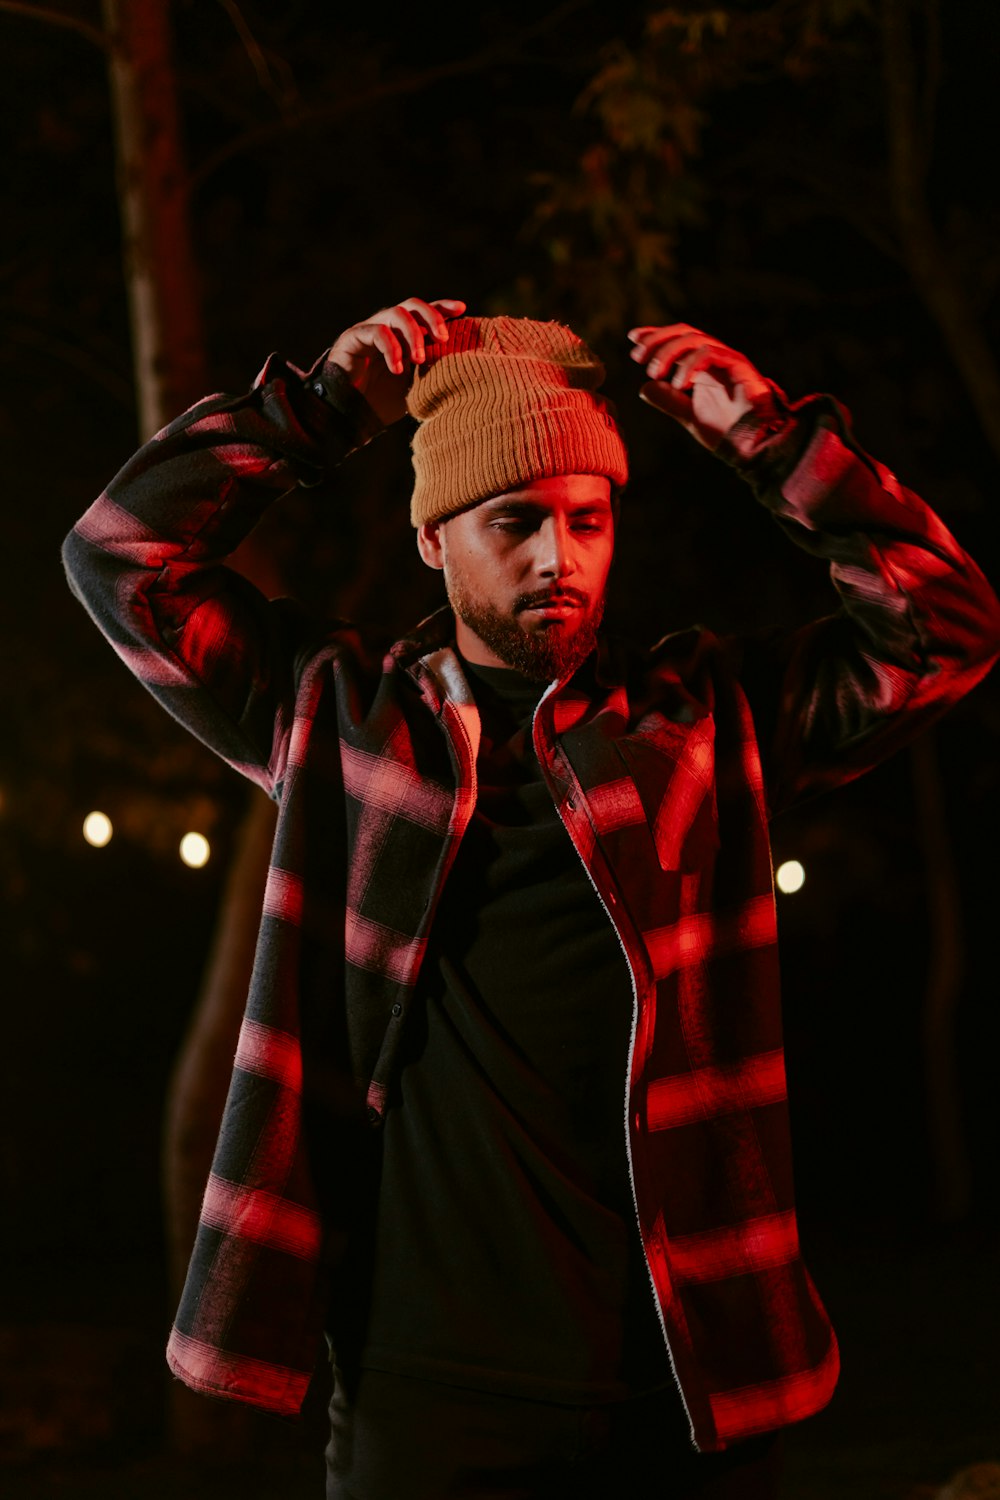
x=508 y=1118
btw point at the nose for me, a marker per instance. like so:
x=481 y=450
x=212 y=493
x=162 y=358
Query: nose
x=556 y=557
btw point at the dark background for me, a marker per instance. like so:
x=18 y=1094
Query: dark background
x=740 y=183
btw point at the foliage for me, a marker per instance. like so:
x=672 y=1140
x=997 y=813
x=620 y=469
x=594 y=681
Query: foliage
x=613 y=226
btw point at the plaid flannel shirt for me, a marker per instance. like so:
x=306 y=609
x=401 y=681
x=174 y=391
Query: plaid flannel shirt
x=664 y=779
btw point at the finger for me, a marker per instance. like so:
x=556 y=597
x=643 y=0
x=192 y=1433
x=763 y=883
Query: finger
x=406 y=321
x=726 y=368
x=664 y=357
x=430 y=315
x=643 y=352
x=452 y=308
x=684 y=357
x=715 y=359
x=388 y=345
x=645 y=330
x=667 y=345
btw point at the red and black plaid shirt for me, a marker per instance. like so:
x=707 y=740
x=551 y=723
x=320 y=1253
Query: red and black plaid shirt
x=664 y=779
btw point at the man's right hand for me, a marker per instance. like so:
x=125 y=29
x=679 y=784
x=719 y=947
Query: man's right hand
x=379 y=355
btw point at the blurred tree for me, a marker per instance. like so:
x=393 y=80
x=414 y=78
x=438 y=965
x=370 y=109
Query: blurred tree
x=613 y=227
x=168 y=343
x=170 y=374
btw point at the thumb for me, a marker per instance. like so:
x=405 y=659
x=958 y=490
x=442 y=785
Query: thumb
x=665 y=398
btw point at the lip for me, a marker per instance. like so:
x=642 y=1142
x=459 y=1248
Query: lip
x=553 y=609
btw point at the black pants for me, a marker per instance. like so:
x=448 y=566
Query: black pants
x=393 y=1438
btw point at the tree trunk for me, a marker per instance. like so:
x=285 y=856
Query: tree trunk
x=940 y=288
x=170 y=373
x=931 y=269
x=167 y=339
x=195 y=1100
x=951 y=1185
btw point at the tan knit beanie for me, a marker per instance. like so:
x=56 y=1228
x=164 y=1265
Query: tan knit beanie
x=503 y=402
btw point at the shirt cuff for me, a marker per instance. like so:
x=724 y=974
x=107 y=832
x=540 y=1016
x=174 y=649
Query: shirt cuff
x=766 y=445
x=330 y=385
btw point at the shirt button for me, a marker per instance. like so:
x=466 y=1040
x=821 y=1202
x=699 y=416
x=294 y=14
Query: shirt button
x=397 y=1010
x=571 y=804
x=373 y=1115
x=318 y=388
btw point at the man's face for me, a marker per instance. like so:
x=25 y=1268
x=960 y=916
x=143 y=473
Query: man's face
x=526 y=573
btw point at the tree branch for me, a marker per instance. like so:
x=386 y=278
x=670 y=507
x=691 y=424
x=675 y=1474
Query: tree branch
x=256 y=54
x=82 y=360
x=393 y=88
x=933 y=275
x=838 y=196
x=932 y=74
x=58 y=18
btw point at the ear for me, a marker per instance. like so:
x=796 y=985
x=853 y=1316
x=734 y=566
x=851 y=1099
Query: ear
x=429 y=544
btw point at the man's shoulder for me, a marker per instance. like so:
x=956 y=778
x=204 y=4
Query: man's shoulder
x=684 y=675
x=322 y=638
x=685 y=652
x=366 y=659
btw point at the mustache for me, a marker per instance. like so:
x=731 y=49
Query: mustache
x=562 y=595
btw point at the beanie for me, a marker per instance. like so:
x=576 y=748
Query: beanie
x=503 y=402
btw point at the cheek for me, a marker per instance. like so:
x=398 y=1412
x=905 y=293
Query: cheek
x=488 y=561
x=477 y=569
x=598 y=568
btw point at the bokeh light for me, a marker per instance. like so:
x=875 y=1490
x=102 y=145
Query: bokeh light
x=195 y=850
x=97 y=829
x=789 y=877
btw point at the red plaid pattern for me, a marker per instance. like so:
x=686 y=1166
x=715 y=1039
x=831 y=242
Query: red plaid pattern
x=265 y=1218
x=663 y=777
x=271 y=1054
x=715 y=1091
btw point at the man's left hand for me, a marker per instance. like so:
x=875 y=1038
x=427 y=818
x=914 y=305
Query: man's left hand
x=703 y=384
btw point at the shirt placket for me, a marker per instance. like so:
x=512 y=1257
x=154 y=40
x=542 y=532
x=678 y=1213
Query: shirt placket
x=571 y=804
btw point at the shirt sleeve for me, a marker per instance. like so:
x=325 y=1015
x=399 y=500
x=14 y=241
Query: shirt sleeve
x=147 y=559
x=918 y=625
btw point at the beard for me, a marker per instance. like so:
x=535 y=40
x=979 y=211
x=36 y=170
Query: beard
x=542 y=651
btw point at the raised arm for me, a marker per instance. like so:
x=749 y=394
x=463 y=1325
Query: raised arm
x=918 y=624
x=147 y=558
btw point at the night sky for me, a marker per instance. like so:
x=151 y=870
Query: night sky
x=352 y=157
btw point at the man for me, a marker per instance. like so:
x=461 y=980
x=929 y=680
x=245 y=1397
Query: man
x=508 y=1117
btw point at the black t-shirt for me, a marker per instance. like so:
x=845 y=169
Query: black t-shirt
x=506 y=1255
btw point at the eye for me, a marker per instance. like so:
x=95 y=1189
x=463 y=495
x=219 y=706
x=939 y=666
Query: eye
x=590 y=526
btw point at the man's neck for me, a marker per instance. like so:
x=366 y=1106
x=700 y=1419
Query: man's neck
x=475 y=650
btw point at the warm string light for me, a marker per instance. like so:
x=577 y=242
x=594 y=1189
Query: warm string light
x=195 y=850
x=97 y=829
x=790 y=877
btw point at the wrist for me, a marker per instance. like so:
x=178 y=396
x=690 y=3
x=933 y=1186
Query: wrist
x=330 y=384
x=768 y=420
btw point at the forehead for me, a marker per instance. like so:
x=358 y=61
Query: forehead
x=572 y=491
